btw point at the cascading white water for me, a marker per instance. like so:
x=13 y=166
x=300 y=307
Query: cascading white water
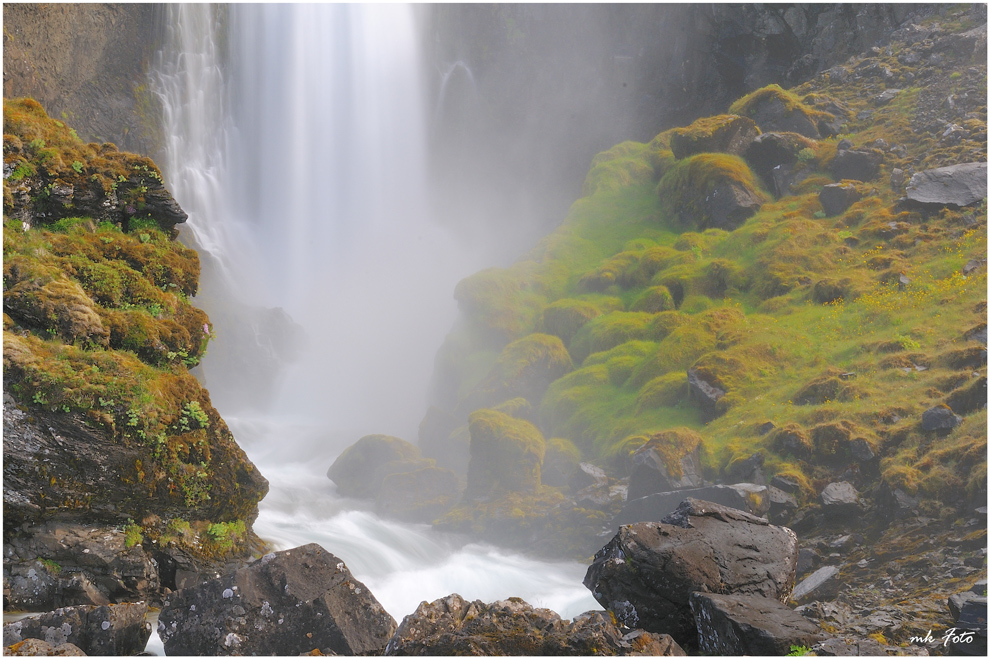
x=300 y=156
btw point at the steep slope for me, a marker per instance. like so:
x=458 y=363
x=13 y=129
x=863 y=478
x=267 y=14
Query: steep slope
x=766 y=284
x=107 y=436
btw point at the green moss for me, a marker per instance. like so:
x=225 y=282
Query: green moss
x=654 y=300
x=361 y=468
x=565 y=317
x=664 y=391
x=749 y=104
x=609 y=330
x=506 y=454
x=132 y=535
x=712 y=134
x=621 y=166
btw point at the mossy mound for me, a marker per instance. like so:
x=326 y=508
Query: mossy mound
x=525 y=368
x=777 y=110
x=710 y=191
x=560 y=462
x=565 y=317
x=619 y=167
x=506 y=454
x=361 y=468
x=724 y=133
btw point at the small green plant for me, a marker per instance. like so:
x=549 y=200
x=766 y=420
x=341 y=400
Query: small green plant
x=223 y=535
x=955 y=75
x=37 y=144
x=819 y=215
x=806 y=154
x=798 y=651
x=39 y=398
x=192 y=411
x=132 y=534
x=77 y=166
x=907 y=342
x=50 y=565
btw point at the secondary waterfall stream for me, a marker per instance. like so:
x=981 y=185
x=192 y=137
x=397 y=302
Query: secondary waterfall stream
x=297 y=143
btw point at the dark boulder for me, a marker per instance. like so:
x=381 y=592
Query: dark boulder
x=788 y=485
x=645 y=574
x=361 y=468
x=822 y=584
x=115 y=629
x=749 y=470
x=746 y=497
x=287 y=603
x=782 y=504
x=857 y=164
x=957 y=603
x=773 y=156
x=729 y=205
x=418 y=496
x=808 y=559
x=706 y=394
x=454 y=626
x=940 y=419
x=894 y=503
x=837 y=197
x=749 y=625
x=772 y=113
x=954 y=186
x=840 y=500
x=971 y=635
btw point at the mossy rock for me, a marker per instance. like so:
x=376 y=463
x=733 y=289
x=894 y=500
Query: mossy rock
x=608 y=331
x=524 y=369
x=665 y=322
x=420 y=496
x=361 y=468
x=776 y=110
x=560 y=462
x=710 y=191
x=499 y=300
x=610 y=272
x=565 y=317
x=654 y=300
x=623 y=165
x=506 y=454
x=663 y=391
x=724 y=133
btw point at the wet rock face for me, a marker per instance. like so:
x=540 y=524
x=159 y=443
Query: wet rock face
x=34 y=647
x=749 y=625
x=650 y=473
x=287 y=603
x=646 y=573
x=955 y=186
x=116 y=629
x=454 y=626
x=82 y=564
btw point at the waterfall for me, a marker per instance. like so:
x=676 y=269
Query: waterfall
x=297 y=144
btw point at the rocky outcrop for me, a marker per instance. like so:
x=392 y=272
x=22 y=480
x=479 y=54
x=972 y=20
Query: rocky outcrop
x=837 y=197
x=749 y=625
x=506 y=454
x=34 y=647
x=287 y=603
x=454 y=626
x=112 y=630
x=954 y=186
x=719 y=134
x=646 y=573
x=857 y=164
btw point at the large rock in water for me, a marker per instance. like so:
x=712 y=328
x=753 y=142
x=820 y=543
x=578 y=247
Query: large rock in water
x=418 y=496
x=646 y=573
x=287 y=603
x=361 y=468
x=454 y=626
x=956 y=185
x=116 y=629
x=506 y=454
x=749 y=625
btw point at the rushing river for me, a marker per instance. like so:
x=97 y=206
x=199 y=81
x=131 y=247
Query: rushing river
x=296 y=139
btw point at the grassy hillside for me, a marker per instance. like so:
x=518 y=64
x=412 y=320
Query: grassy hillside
x=839 y=330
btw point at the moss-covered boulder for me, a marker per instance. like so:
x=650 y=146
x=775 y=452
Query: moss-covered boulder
x=422 y=495
x=668 y=460
x=361 y=468
x=710 y=191
x=506 y=454
x=565 y=317
x=724 y=133
x=776 y=110
x=525 y=369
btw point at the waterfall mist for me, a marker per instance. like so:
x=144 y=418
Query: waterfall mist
x=298 y=139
